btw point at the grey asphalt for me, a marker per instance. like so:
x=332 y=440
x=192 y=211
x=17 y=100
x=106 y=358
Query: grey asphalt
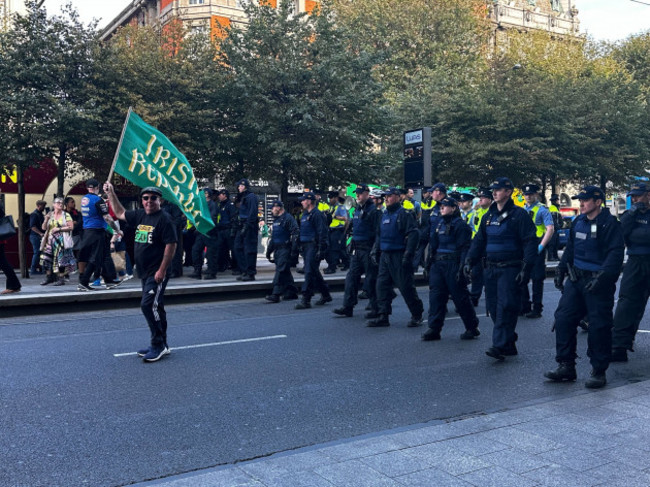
x=313 y=399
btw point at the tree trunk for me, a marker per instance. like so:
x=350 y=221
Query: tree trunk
x=24 y=269
x=61 y=170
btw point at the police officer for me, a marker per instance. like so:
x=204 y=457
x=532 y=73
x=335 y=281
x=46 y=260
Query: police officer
x=394 y=248
x=438 y=192
x=592 y=259
x=206 y=242
x=283 y=244
x=450 y=241
x=247 y=230
x=338 y=221
x=226 y=217
x=544 y=230
x=554 y=208
x=474 y=221
x=506 y=239
x=635 y=283
x=426 y=206
x=313 y=240
x=364 y=231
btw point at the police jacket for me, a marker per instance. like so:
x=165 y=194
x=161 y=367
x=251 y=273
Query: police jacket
x=226 y=215
x=397 y=230
x=636 y=231
x=313 y=229
x=176 y=216
x=248 y=211
x=285 y=232
x=364 y=224
x=429 y=223
x=451 y=236
x=595 y=245
x=506 y=235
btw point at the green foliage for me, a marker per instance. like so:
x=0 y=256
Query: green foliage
x=303 y=103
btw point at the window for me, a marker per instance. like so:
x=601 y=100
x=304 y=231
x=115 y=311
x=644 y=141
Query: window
x=196 y=2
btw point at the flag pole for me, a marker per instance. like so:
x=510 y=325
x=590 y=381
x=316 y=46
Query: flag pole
x=119 y=145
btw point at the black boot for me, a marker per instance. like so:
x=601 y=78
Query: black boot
x=597 y=379
x=470 y=334
x=273 y=298
x=325 y=298
x=618 y=355
x=344 y=311
x=566 y=371
x=381 y=320
x=431 y=335
x=304 y=303
x=49 y=279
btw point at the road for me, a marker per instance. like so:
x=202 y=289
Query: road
x=246 y=379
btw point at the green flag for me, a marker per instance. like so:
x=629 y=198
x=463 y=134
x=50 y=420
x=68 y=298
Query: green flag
x=147 y=158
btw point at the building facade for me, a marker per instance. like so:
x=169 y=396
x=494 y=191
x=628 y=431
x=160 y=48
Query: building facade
x=197 y=15
x=8 y=8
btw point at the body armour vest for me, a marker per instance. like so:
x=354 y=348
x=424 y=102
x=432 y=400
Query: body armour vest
x=389 y=235
x=639 y=238
x=280 y=234
x=361 y=223
x=586 y=255
x=307 y=228
x=446 y=240
x=502 y=238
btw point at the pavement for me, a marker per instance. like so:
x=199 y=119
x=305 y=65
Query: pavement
x=592 y=438
x=596 y=438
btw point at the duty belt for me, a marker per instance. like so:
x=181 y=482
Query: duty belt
x=452 y=256
x=503 y=263
x=580 y=273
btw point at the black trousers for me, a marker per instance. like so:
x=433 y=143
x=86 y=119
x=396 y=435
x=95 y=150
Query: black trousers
x=632 y=300
x=314 y=281
x=283 y=283
x=208 y=243
x=94 y=247
x=502 y=301
x=442 y=284
x=597 y=306
x=224 y=248
x=478 y=281
x=392 y=273
x=12 y=280
x=360 y=264
x=537 y=276
x=246 y=251
x=153 y=308
x=336 y=252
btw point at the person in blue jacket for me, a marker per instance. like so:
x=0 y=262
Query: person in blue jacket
x=246 y=237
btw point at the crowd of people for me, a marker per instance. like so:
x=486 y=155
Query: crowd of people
x=467 y=244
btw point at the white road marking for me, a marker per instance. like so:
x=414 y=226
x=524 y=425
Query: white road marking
x=644 y=331
x=213 y=344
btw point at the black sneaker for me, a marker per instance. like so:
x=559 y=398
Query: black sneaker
x=495 y=353
x=470 y=334
x=584 y=325
x=534 y=314
x=381 y=320
x=597 y=380
x=85 y=287
x=344 y=311
x=144 y=351
x=510 y=350
x=431 y=335
x=247 y=277
x=618 y=355
x=112 y=284
x=273 y=298
x=323 y=300
x=414 y=322
x=565 y=371
x=363 y=295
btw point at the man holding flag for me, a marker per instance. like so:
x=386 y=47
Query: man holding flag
x=155 y=244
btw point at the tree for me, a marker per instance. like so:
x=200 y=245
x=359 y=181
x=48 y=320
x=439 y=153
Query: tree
x=303 y=103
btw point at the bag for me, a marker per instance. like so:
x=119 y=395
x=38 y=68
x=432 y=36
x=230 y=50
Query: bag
x=119 y=260
x=7 y=227
x=68 y=241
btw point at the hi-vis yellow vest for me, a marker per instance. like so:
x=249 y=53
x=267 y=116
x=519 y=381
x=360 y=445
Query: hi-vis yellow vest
x=474 y=219
x=335 y=223
x=541 y=229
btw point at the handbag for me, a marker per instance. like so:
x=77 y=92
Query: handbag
x=68 y=241
x=119 y=260
x=7 y=227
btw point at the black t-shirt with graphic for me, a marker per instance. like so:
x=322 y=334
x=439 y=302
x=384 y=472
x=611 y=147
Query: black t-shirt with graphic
x=152 y=233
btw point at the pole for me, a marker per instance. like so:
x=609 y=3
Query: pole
x=119 y=145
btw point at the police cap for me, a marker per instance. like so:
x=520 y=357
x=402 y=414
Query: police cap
x=440 y=187
x=589 y=192
x=448 y=201
x=392 y=190
x=484 y=193
x=531 y=189
x=362 y=188
x=309 y=195
x=245 y=182
x=332 y=194
x=637 y=189
x=555 y=197
x=278 y=203
x=466 y=197
x=502 y=183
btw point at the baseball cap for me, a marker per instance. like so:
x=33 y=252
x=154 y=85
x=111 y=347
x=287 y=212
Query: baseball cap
x=92 y=183
x=466 y=197
x=531 y=189
x=362 y=188
x=439 y=187
x=448 y=201
x=309 y=195
x=484 y=193
x=637 y=189
x=392 y=190
x=278 y=203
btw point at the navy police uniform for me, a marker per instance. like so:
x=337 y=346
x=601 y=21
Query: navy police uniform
x=283 y=244
x=592 y=259
x=226 y=216
x=395 y=245
x=246 y=237
x=635 y=283
x=506 y=240
x=448 y=245
x=364 y=231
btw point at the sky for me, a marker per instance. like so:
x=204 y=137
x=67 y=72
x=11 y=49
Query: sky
x=602 y=19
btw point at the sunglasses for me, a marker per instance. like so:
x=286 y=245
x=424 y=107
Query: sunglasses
x=153 y=197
